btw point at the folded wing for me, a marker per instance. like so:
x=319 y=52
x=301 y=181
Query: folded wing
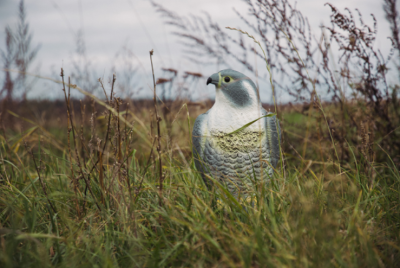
x=199 y=136
x=274 y=137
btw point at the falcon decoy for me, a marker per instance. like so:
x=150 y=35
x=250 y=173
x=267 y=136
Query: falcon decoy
x=239 y=159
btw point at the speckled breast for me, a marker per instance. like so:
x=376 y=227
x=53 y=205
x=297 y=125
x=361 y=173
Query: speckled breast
x=237 y=160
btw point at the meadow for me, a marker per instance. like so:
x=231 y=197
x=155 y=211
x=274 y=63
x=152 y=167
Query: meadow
x=87 y=194
x=111 y=182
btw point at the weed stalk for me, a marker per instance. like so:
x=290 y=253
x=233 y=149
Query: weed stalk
x=158 y=137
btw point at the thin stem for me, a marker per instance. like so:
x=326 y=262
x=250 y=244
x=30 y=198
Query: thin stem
x=40 y=178
x=158 y=119
x=74 y=180
x=100 y=159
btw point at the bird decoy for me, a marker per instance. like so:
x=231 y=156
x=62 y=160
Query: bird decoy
x=236 y=156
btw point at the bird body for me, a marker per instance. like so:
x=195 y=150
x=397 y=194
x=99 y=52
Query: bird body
x=236 y=159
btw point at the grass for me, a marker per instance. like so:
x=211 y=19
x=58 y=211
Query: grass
x=313 y=216
x=101 y=188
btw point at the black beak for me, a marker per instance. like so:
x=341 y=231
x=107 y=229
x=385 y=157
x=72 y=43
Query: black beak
x=209 y=80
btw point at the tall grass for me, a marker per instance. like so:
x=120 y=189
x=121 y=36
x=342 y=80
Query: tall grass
x=311 y=216
x=106 y=189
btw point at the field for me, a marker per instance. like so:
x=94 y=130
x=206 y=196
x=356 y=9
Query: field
x=111 y=182
x=64 y=204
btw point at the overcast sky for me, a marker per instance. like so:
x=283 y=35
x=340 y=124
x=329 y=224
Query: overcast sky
x=109 y=25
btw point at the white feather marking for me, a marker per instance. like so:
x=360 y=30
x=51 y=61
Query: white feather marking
x=226 y=117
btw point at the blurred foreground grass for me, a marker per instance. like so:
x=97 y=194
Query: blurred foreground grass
x=105 y=211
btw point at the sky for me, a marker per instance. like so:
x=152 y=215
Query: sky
x=108 y=26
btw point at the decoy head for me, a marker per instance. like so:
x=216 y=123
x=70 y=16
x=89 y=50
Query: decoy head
x=235 y=87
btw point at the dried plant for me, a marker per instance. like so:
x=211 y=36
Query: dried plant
x=158 y=136
x=294 y=52
x=392 y=15
x=19 y=53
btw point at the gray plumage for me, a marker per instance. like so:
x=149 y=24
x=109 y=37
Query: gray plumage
x=235 y=160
